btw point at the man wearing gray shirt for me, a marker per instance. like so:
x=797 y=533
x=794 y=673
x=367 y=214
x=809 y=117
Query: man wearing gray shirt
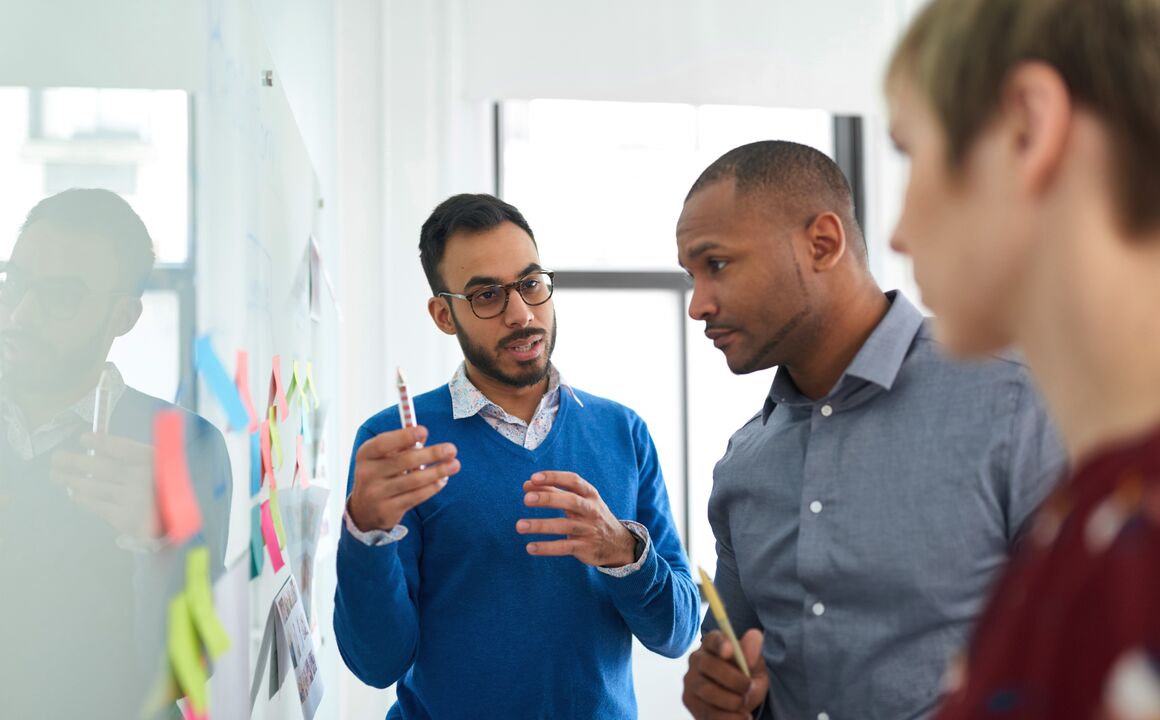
x=862 y=515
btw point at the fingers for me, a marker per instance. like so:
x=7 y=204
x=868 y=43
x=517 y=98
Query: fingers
x=400 y=485
x=555 y=526
x=751 y=645
x=566 y=501
x=714 y=687
x=117 y=448
x=108 y=472
x=391 y=443
x=564 y=480
x=420 y=495
x=554 y=548
x=374 y=467
x=716 y=664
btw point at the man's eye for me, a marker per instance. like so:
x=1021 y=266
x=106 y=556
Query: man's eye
x=486 y=295
x=716 y=265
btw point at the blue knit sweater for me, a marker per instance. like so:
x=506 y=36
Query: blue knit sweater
x=469 y=624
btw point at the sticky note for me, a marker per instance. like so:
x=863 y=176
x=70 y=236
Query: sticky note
x=224 y=389
x=301 y=476
x=242 y=381
x=276 y=513
x=264 y=449
x=257 y=560
x=277 y=392
x=199 y=597
x=180 y=515
x=185 y=655
x=310 y=383
x=297 y=384
x=275 y=438
x=270 y=535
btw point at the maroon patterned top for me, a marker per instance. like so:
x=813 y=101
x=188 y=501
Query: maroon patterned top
x=1073 y=630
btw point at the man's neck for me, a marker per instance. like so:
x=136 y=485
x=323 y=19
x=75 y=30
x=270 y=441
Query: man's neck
x=843 y=331
x=1089 y=327
x=520 y=402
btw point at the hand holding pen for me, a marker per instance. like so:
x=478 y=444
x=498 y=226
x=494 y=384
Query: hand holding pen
x=394 y=472
x=719 y=684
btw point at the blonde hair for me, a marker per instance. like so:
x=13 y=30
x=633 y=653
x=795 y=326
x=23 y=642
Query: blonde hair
x=958 y=54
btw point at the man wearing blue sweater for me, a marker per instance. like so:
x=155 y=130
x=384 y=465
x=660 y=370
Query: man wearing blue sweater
x=461 y=589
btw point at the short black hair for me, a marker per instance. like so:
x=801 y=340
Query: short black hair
x=801 y=179
x=91 y=210
x=465 y=212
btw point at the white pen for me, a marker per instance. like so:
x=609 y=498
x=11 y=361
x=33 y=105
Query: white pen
x=101 y=407
x=406 y=411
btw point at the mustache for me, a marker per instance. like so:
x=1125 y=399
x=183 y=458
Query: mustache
x=520 y=335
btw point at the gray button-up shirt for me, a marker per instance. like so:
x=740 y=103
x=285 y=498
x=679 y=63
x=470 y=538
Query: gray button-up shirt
x=863 y=531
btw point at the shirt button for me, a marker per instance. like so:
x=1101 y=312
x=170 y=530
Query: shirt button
x=819 y=609
x=815 y=507
x=827 y=410
x=823 y=716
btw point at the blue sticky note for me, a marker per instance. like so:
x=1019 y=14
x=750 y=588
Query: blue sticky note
x=219 y=382
x=255 y=463
x=257 y=552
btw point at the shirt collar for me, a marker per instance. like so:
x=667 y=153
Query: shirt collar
x=84 y=407
x=467 y=400
x=878 y=361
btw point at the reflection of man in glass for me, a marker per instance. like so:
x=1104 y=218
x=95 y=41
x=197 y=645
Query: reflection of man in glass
x=77 y=509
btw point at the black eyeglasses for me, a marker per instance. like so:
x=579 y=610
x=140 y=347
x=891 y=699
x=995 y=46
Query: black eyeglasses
x=60 y=298
x=492 y=300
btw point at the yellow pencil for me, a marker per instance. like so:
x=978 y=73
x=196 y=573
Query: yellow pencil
x=718 y=609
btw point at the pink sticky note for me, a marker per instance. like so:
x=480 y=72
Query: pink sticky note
x=300 y=475
x=277 y=392
x=191 y=714
x=267 y=463
x=271 y=536
x=242 y=380
x=180 y=515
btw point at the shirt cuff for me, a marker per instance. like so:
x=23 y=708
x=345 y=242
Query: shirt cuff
x=640 y=532
x=373 y=538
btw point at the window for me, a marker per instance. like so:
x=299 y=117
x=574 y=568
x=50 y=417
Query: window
x=135 y=143
x=602 y=185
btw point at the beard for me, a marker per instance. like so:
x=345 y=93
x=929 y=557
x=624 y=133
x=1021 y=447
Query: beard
x=41 y=368
x=487 y=362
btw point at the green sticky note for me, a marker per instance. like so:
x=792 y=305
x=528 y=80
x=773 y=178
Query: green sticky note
x=257 y=557
x=199 y=596
x=277 y=513
x=185 y=655
x=275 y=437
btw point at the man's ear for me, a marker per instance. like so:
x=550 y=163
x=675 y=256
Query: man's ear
x=126 y=313
x=827 y=241
x=440 y=310
x=1036 y=106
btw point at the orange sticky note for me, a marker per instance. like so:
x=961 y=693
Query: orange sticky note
x=300 y=475
x=271 y=537
x=277 y=392
x=267 y=463
x=180 y=515
x=242 y=380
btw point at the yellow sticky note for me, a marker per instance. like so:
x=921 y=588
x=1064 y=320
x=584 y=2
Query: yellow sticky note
x=199 y=596
x=296 y=384
x=275 y=437
x=185 y=655
x=310 y=383
x=718 y=609
x=277 y=514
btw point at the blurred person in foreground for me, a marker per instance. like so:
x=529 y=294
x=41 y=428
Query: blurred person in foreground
x=1032 y=216
x=87 y=570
